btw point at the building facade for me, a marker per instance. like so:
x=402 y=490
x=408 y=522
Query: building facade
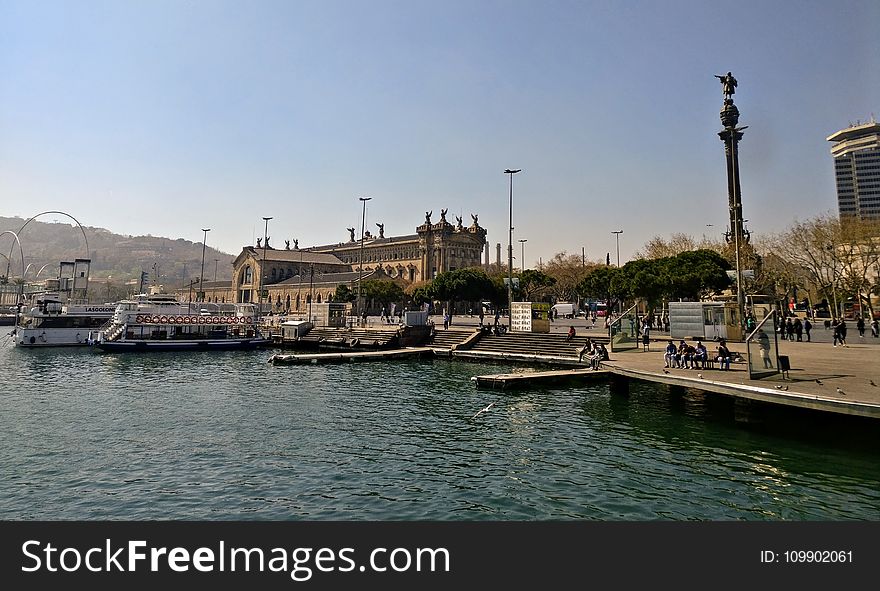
x=856 y=153
x=294 y=277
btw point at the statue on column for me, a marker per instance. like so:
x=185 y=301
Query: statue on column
x=728 y=85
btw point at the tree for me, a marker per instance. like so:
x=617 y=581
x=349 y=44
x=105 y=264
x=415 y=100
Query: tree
x=469 y=285
x=384 y=291
x=533 y=284
x=604 y=283
x=568 y=270
x=659 y=248
x=419 y=292
x=343 y=294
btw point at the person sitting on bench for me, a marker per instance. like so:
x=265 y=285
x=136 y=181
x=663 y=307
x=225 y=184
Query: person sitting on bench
x=671 y=356
x=723 y=355
x=701 y=355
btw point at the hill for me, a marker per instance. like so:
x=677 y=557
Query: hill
x=115 y=256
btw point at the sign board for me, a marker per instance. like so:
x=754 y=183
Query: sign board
x=521 y=316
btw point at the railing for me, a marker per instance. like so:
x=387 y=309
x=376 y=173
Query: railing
x=761 y=364
x=623 y=332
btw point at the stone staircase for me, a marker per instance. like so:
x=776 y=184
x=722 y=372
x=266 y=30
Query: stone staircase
x=350 y=338
x=444 y=340
x=535 y=344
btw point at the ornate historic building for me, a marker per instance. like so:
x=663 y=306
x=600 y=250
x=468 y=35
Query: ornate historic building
x=291 y=278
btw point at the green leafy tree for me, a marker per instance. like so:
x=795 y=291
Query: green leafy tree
x=604 y=283
x=463 y=285
x=344 y=294
x=384 y=291
x=533 y=284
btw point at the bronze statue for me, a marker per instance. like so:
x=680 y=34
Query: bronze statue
x=443 y=214
x=287 y=245
x=458 y=225
x=474 y=216
x=259 y=240
x=351 y=233
x=428 y=217
x=296 y=244
x=728 y=84
x=381 y=230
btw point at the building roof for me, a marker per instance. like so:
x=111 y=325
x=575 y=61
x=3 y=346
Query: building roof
x=371 y=241
x=855 y=132
x=324 y=279
x=290 y=256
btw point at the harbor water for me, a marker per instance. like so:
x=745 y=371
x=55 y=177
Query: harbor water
x=221 y=436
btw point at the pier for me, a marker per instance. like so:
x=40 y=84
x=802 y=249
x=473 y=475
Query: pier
x=346 y=356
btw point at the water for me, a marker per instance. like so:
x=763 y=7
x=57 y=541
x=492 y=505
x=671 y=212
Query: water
x=85 y=435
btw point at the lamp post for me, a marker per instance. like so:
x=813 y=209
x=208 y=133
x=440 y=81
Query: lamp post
x=201 y=296
x=510 y=247
x=617 y=234
x=522 y=260
x=263 y=265
x=361 y=263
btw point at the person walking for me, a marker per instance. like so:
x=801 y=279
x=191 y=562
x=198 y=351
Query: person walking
x=764 y=348
x=841 y=331
x=445 y=320
x=808 y=326
x=860 y=325
x=834 y=327
x=798 y=329
x=875 y=328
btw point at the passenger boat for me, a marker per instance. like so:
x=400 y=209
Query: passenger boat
x=51 y=320
x=60 y=314
x=159 y=322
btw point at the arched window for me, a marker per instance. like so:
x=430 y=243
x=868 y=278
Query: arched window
x=247 y=275
x=319 y=298
x=273 y=273
x=309 y=299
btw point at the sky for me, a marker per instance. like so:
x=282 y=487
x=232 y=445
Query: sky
x=164 y=117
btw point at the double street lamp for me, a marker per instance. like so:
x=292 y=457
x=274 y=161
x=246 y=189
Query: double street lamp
x=361 y=263
x=522 y=260
x=617 y=234
x=510 y=248
x=263 y=266
x=201 y=295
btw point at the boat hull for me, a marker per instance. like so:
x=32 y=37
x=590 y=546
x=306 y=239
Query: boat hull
x=182 y=345
x=50 y=337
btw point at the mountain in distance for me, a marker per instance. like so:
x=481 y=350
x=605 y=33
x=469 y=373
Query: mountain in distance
x=116 y=256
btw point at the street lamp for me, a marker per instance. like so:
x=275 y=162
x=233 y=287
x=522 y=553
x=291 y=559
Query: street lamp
x=361 y=263
x=617 y=234
x=202 y=274
x=263 y=266
x=522 y=260
x=510 y=248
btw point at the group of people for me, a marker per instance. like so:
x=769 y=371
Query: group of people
x=595 y=353
x=687 y=356
x=794 y=330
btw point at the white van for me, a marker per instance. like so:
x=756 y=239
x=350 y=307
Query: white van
x=565 y=310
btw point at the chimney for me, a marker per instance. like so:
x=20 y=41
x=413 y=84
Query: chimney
x=498 y=254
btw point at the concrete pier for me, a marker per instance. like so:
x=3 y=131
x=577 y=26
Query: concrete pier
x=279 y=359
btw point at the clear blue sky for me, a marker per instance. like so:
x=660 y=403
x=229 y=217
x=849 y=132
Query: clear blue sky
x=166 y=116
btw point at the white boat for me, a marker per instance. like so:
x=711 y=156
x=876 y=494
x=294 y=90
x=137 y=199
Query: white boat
x=61 y=315
x=50 y=320
x=160 y=322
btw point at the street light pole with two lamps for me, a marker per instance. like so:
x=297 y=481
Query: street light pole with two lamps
x=201 y=295
x=617 y=234
x=263 y=265
x=361 y=263
x=522 y=261
x=510 y=172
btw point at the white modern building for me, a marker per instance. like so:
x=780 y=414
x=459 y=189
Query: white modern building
x=856 y=152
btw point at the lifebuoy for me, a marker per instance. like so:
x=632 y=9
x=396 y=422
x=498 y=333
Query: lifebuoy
x=139 y=318
x=235 y=320
x=163 y=319
x=250 y=320
x=187 y=320
x=180 y=320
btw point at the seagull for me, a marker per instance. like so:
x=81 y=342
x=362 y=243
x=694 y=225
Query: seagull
x=818 y=381
x=665 y=371
x=778 y=387
x=872 y=383
x=841 y=392
x=785 y=388
x=479 y=412
x=699 y=375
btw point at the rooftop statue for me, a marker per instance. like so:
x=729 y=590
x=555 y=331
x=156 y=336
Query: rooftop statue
x=443 y=214
x=428 y=217
x=351 y=233
x=296 y=244
x=458 y=225
x=474 y=216
x=259 y=242
x=287 y=245
x=728 y=84
x=381 y=230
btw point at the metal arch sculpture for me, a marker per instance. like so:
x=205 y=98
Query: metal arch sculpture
x=81 y=229
x=20 y=252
